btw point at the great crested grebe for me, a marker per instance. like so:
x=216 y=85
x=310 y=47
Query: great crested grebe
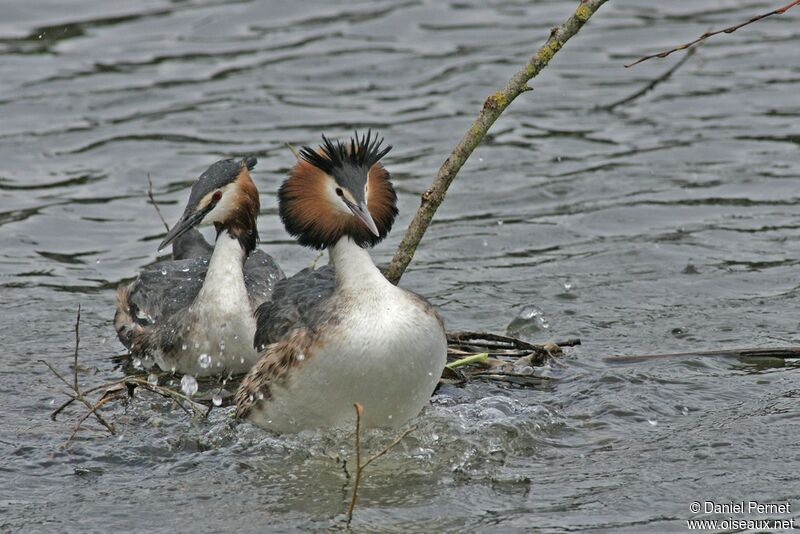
x=328 y=344
x=195 y=315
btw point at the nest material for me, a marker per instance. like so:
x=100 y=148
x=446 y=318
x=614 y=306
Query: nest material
x=471 y=356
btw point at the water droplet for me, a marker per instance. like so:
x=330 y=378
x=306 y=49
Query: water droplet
x=217 y=399
x=137 y=363
x=523 y=369
x=530 y=321
x=188 y=385
x=204 y=360
x=152 y=379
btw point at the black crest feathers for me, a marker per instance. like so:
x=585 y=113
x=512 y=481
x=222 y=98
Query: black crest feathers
x=309 y=210
x=364 y=151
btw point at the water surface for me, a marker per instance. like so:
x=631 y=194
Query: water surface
x=666 y=225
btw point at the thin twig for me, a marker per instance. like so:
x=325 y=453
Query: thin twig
x=706 y=35
x=391 y=446
x=153 y=201
x=166 y=392
x=475 y=358
x=477 y=338
x=295 y=152
x=83 y=419
x=315 y=260
x=359 y=409
x=493 y=107
x=77 y=345
x=783 y=353
x=78 y=396
x=69 y=401
x=652 y=84
x=359 y=466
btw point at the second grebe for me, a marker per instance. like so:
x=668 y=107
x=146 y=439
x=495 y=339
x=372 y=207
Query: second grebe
x=361 y=339
x=195 y=315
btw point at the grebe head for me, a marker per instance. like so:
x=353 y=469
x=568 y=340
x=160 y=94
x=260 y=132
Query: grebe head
x=339 y=190
x=226 y=196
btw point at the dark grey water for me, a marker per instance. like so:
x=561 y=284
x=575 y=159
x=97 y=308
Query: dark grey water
x=670 y=224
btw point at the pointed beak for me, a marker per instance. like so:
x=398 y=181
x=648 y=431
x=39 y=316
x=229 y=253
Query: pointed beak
x=361 y=211
x=187 y=221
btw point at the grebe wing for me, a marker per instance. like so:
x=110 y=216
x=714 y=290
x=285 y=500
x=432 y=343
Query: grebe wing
x=191 y=244
x=296 y=303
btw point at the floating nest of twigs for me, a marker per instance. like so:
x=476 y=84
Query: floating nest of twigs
x=471 y=356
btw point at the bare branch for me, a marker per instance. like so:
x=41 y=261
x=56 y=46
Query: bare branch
x=391 y=446
x=731 y=29
x=359 y=466
x=782 y=353
x=652 y=84
x=80 y=397
x=493 y=107
x=153 y=201
x=359 y=410
x=75 y=359
x=295 y=152
x=86 y=416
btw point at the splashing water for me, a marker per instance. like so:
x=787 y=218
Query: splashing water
x=530 y=321
x=188 y=385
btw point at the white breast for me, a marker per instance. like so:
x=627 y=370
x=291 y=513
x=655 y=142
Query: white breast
x=387 y=353
x=220 y=325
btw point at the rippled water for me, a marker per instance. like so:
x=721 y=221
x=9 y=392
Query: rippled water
x=669 y=224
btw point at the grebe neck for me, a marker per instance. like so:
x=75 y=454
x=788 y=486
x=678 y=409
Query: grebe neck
x=354 y=266
x=225 y=269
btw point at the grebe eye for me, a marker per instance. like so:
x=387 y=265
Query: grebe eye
x=216 y=196
x=339 y=191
